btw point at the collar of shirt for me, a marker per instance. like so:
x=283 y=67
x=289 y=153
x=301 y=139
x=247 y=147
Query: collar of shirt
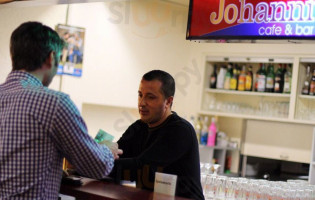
x=24 y=77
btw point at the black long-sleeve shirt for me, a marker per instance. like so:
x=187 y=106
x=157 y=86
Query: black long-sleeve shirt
x=170 y=148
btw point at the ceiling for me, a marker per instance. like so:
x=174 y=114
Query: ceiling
x=182 y=2
x=26 y=3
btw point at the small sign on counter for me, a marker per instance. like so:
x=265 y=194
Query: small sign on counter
x=165 y=183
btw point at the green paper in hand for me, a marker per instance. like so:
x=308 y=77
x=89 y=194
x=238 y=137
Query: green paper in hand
x=102 y=135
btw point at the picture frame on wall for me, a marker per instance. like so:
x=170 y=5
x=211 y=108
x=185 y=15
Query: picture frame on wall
x=71 y=61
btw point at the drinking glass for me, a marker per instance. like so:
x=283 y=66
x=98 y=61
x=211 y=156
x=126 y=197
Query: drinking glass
x=203 y=177
x=216 y=168
x=210 y=186
x=230 y=188
x=220 y=188
x=202 y=167
x=208 y=168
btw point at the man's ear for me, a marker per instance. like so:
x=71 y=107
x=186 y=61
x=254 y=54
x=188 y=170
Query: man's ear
x=169 y=101
x=50 y=59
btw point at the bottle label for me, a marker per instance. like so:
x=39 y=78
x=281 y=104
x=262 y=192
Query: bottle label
x=277 y=87
x=248 y=83
x=241 y=83
x=233 y=84
x=312 y=88
x=227 y=83
x=270 y=83
x=220 y=79
x=261 y=83
x=305 y=89
x=213 y=81
x=287 y=85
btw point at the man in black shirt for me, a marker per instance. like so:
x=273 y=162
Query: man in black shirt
x=160 y=141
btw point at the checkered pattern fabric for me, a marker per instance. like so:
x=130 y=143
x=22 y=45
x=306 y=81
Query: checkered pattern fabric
x=38 y=128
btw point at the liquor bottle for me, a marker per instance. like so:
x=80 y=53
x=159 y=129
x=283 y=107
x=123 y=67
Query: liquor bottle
x=242 y=79
x=204 y=131
x=306 y=84
x=312 y=86
x=213 y=78
x=261 y=78
x=233 y=81
x=220 y=79
x=192 y=121
x=212 y=133
x=284 y=70
x=270 y=79
x=279 y=80
x=287 y=80
x=249 y=79
x=198 y=127
x=228 y=77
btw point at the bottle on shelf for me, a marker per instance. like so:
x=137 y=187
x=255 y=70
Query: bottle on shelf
x=242 y=79
x=312 y=86
x=204 y=131
x=227 y=77
x=192 y=121
x=287 y=80
x=279 y=80
x=270 y=79
x=212 y=133
x=261 y=78
x=213 y=78
x=233 y=80
x=198 y=127
x=249 y=79
x=306 y=83
x=220 y=79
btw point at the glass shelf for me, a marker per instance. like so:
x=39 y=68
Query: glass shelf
x=249 y=93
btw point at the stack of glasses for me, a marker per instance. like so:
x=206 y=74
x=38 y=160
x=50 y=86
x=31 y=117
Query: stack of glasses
x=217 y=187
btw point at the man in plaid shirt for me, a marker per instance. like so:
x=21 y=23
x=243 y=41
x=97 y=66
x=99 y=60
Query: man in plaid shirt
x=40 y=126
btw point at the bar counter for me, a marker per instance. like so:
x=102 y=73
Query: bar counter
x=103 y=190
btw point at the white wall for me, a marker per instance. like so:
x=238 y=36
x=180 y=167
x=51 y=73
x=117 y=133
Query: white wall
x=10 y=18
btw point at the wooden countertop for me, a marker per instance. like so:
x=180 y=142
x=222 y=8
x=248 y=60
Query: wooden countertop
x=104 y=190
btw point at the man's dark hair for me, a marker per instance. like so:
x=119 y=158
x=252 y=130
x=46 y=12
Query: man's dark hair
x=31 y=43
x=168 y=82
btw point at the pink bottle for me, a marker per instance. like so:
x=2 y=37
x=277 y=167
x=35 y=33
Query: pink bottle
x=212 y=133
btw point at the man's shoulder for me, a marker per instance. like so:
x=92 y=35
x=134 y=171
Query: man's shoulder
x=176 y=120
x=52 y=94
x=55 y=93
x=177 y=124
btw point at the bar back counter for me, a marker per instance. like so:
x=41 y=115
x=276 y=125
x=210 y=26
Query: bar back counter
x=103 y=190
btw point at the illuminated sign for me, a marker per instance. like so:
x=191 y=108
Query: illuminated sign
x=251 y=19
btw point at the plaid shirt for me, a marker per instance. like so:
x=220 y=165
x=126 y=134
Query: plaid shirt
x=38 y=127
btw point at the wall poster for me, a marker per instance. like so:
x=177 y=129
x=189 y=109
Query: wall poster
x=72 y=55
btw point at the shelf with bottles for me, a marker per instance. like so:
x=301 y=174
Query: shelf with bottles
x=305 y=109
x=257 y=88
x=263 y=77
x=215 y=144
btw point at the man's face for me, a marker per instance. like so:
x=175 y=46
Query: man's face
x=152 y=104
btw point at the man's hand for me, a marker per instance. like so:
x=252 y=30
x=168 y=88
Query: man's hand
x=113 y=146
